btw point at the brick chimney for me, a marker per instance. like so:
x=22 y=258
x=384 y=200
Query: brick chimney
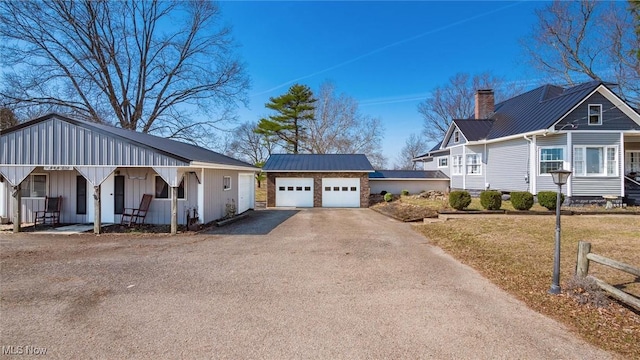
x=485 y=103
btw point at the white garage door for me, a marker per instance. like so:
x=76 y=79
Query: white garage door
x=245 y=192
x=296 y=192
x=340 y=192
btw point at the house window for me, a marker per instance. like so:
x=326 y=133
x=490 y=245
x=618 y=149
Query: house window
x=162 y=189
x=474 y=162
x=81 y=195
x=595 y=114
x=34 y=186
x=456 y=169
x=551 y=159
x=226 y=183
x=595 y=160
x=443 y=162
x=456 y=136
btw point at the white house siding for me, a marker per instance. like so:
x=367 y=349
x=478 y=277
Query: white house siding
x=545 y=182
x=48 y=142
x=414 y=186
x=507 y=165
x=475 y=182
x=215 y=197
x=457 y=181
x=603 y=185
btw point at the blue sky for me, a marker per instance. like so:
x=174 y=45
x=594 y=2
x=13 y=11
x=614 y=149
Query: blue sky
x=386 y=55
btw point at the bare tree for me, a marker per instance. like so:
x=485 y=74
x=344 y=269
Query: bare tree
x=250 y=146
x=115 y=62
x=414 y=146
x=7 y=118
x=340 y=128
x=455 y=100
x=583 y=40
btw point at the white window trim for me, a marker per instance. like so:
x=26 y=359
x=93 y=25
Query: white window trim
x=605 y=148
x=459 y=166
x=565 y=163
x=456 y=136
x=443 y=158
x=168 y=198
x=479 y=164
x=589 y=115
x=230 y=183
x=30 y=179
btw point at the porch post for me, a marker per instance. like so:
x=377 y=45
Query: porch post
x=174 y=210
x=97 y=216
x=17 y=211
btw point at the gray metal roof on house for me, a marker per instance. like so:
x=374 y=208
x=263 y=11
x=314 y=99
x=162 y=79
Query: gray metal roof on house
x=474 y=130
x=407 y=174
x=537 y=109
x=318 y=162
x=173 y=148
x=434 y=150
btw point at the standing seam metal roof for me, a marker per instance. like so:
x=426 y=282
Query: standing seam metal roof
x=318 y=162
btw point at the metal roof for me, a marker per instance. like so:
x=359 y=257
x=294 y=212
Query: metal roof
x=537 y=109
x=318 y=162
x=407 y=174
x=173 y=148
x=474 y=130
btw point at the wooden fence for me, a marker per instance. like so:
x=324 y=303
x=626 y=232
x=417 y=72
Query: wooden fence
x=582 y=269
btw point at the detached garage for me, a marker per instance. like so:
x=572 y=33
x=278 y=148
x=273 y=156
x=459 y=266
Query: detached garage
x=318 y=180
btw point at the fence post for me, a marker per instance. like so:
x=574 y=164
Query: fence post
x=582 y=265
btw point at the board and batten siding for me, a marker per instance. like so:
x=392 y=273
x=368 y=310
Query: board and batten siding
x=597 y=185
x=507 y=165
x=456 y=180
x=160 y=209
x=58 y=142
x=215 y=197
x=544 y=182
x=473 y=181
x=612 y=117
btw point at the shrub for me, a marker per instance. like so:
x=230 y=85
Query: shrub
x=388 y=197
x=459 y=199
x=405 y=192
x=522 y=200
x=383 y=192
x=585 y=290
x=548 y=199
x=491 y=199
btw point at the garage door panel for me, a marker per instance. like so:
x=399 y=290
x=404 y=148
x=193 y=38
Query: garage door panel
x=341 y=192
x=294 y=192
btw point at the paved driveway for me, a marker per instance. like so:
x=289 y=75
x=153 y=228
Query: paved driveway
x=323 y=283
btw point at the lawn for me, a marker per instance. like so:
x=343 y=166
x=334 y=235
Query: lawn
x=516 y=254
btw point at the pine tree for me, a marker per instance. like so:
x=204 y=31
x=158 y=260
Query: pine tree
x=293 y=109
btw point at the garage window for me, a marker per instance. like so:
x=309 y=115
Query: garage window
x=307 y=188
x=327 y=188
x=336 y=188
x=281 y=188
x=298 y=188
x=353 y=188
x=226 y=183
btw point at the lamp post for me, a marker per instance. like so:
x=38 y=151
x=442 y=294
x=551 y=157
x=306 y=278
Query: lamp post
x=560 y=178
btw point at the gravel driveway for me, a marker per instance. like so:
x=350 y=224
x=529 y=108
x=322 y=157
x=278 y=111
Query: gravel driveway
x=324 y=283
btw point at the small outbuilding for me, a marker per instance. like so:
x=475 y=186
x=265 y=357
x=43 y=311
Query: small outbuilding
x=318 y=180
x=101 y=170
x=414 y=181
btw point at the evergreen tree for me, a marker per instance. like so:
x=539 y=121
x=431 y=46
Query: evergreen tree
x=293 y=109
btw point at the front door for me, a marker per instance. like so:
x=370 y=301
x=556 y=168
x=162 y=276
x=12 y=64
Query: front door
x=107 y=202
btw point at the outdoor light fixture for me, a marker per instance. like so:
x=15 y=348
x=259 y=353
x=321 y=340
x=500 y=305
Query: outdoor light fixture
x=560 y=178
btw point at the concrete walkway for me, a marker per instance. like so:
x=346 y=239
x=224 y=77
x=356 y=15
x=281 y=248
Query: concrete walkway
x=320 y=284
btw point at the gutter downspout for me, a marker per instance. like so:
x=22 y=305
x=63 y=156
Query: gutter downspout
x=528 y=179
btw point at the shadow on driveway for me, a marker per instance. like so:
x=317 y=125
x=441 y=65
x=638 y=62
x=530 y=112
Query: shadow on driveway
x=260 y=222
